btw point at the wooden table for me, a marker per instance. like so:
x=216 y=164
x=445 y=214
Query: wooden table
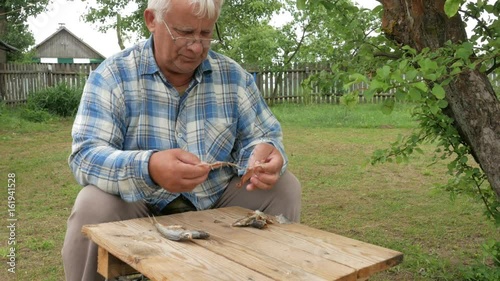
x=277 y=252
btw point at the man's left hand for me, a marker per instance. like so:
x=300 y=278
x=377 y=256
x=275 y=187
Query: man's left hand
x=270 y=161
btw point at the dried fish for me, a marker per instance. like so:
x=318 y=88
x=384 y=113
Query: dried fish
x=219 y=164
x=246 y=177
x=178 y=232
x=249 y=173
x=256 y=219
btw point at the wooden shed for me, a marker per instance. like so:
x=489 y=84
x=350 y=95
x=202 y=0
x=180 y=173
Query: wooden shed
x=4 y=48
x=65 y=47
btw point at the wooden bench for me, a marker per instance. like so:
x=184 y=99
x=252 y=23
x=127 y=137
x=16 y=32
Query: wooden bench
x=277 y=252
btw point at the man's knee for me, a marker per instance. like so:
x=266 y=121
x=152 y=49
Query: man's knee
x=86 y=205
x=287 y=198
x=290 y=186
x=93 y=205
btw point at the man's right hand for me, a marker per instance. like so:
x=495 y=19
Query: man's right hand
x=176 y=170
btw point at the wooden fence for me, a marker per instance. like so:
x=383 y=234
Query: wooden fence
x=17 y=81
x=279 y=86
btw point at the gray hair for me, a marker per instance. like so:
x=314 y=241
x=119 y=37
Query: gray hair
x=202 y=8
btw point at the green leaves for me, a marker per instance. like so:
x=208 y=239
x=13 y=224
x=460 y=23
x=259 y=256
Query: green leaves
x=451 y=7
x=357 y=78
x=349 y=100
x=388 y=106
x=421 y=86
x=384 y=72
x=14 y=29
x=465 y=51
x=438 y=91
x=301 y=4
x=411 y=74
x=378 y=85
x=414 y=95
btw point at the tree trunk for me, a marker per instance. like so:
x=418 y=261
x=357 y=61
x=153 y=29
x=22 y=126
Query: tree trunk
x=3 y=21
x=3 y=55
x=119 y=33
x=472 y=101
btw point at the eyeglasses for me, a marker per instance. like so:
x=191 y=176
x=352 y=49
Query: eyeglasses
x=188 y=41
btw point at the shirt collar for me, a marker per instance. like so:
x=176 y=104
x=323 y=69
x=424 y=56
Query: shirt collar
x=147 y=63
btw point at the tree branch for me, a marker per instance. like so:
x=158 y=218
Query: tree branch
x=388 y=55
x=119 y=33
x=299 y=44
x=481 y=23
x=493 y=67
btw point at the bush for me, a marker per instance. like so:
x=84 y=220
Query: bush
x=60 y=100
x=486 y=271
x=37 y=116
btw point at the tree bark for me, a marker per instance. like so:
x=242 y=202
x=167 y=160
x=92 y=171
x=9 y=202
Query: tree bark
x=3 y=21
x=473 y=104
x=119 y=33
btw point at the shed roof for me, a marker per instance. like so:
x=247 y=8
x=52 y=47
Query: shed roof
x=7 y=47
x=64 y=29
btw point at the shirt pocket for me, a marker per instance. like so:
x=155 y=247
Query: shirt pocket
x=220 y=136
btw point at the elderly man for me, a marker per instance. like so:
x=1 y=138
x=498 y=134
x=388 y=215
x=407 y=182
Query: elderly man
x=155 y=116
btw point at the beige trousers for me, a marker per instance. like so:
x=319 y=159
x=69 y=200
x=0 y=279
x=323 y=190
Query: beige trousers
x=94 y=206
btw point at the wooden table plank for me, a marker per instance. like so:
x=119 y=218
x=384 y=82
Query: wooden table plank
x=262 y=250
x=278 y=252
x=110 y=266
x=365 y=258
x=137 y=243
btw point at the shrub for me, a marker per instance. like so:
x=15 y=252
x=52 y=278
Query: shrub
x=486 y=271
x=33 y=115
x=60 y=100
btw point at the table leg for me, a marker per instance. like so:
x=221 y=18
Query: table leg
x=110 y=266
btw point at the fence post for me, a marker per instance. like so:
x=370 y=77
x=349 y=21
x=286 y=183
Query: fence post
x=50 y=77
x=3 y=82
x=276 y=85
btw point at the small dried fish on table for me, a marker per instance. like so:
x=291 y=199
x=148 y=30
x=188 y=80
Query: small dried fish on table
x=177 y=232
x=256 y=219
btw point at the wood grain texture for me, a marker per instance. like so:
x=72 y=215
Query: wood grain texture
x=278 y=252
x=110 y=266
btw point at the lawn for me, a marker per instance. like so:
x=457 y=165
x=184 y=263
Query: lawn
x=398 y=206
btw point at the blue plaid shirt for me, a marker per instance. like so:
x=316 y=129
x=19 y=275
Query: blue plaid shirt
x=129 y=110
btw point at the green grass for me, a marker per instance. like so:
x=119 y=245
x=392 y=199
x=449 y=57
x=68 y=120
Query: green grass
x=391 y=205
x=338 y=116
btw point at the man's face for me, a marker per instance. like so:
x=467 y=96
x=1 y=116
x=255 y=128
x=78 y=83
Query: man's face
x=171 y=55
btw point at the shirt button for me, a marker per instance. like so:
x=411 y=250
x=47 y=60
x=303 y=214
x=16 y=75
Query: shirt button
x=179 y=135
